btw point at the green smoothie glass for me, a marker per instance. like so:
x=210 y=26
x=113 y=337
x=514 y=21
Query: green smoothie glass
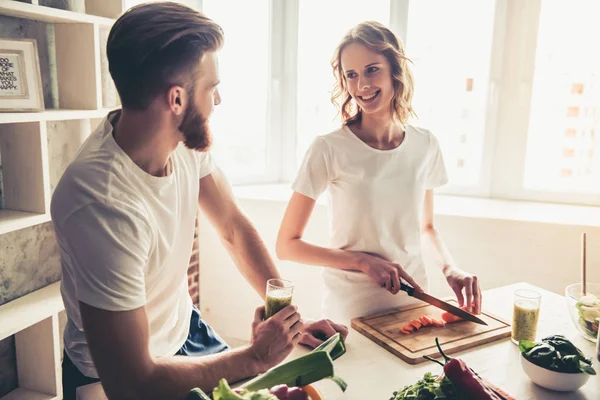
x=279 y=296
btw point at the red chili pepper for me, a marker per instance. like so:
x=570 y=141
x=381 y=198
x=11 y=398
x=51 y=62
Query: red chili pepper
x=468 y=383
x=499 y=391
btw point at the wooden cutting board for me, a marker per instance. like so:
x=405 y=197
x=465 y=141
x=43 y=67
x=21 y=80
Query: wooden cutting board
x=384 y=329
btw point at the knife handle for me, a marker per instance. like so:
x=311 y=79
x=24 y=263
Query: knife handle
x=408 y=289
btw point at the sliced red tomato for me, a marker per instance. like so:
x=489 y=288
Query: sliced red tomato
x=450 y=318
x=416 y=324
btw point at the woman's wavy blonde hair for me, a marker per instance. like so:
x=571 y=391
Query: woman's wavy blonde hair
x=380 y=39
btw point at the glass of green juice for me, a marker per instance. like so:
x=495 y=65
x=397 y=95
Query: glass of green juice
x=279 y=296
x=526 y=314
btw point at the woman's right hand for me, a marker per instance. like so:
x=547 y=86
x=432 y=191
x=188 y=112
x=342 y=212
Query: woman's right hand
x=385 y=273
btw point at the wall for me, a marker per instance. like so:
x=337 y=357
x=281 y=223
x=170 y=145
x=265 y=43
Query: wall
x=499 y=251
x=29 y=260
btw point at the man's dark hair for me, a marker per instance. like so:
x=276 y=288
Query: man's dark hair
x=157 y=45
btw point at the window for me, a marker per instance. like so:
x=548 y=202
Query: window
x=450 y=44
x=514 y=101
x=561 y=146
x=240 y=123
x=321 y=26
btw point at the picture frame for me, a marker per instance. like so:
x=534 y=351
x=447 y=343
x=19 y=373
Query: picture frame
x=20 y=77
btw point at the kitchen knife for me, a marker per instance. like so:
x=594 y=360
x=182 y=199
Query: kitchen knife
x=441 y=304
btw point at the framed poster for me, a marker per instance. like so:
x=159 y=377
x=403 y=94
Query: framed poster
x=20 y=80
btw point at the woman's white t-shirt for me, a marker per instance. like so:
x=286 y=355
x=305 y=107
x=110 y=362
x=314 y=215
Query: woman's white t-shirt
x=375 y=203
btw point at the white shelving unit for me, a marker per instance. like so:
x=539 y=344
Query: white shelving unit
x=26 y=172
x=52 y=115
x=48 y=14
x=33 y=319
x=26 y=185
x=25 y=175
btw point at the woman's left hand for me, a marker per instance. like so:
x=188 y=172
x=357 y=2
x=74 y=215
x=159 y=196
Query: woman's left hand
x=315 y=332
x=460 y=281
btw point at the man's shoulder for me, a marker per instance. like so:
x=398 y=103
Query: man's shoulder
x=96 y=177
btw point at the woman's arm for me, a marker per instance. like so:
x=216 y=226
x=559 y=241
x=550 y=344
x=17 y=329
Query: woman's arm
x=457 y=279
x=291 y=246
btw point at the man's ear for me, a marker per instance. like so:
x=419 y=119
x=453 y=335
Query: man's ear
x=177 y=99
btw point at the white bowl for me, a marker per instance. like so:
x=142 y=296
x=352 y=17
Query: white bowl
x=559 y=381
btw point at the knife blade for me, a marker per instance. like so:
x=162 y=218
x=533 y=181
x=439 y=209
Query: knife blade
x=434 y=301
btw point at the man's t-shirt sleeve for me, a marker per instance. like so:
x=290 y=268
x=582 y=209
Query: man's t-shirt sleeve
x=206 y=163
x=108 y=249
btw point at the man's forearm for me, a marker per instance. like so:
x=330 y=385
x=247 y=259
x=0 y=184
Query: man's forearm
x=174 y=377
x=250 y=255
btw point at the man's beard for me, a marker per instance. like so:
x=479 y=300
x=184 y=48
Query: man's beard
x=195 y=129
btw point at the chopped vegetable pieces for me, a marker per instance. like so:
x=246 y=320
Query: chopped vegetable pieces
x=422 y=322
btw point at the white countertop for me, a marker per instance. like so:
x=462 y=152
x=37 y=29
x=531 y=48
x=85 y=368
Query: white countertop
x=373 y=373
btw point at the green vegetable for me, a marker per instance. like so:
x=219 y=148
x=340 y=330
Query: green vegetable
x=224 y=392
x=300 y=372
x=556 y=353
x=543 y=354
x=428 y=388
x=588 y=308
x=334 y=346
x=526 y=345
x=196 y=394
x=562 y=345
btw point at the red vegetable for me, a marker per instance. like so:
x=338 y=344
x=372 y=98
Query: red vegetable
x=450 y=318
x=499 y=391
x=283 y=392
x=280 y=391
x=296 y=393
x=416 y=324
x=468 y=383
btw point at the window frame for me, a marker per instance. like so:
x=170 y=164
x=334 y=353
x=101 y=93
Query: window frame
x=509 y=100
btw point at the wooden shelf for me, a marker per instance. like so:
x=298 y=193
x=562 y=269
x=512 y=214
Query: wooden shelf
x=24 y=394
x=51 y=115
x=48 y=14
x=34 y=157
x=19 y=314
x=11 y=220
x=34 y=321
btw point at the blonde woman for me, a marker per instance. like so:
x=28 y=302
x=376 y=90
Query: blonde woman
x=380 y=174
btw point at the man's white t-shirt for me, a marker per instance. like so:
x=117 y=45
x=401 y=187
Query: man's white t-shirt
x=375 y=203
x=126 y=239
